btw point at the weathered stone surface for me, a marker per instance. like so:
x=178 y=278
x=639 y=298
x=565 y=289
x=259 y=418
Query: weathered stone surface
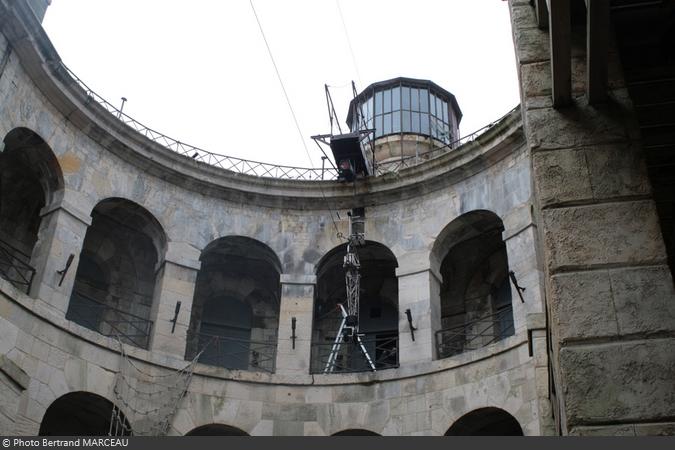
x=655 y=429
x=535 y=79
x=627 y=381
x=577 y=127
x=616 y=170
x=599 y=173
x=197 y=204
x=617 y=233
x=531 y=45
x=522 y=17
x=643 y=300
x=561 y=176
x=609 y=430
x=10 y=395
x=582 y=305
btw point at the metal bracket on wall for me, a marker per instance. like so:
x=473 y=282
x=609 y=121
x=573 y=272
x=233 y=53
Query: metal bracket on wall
x=293 y=336
x=519 y=289
x=175 y=317
x=408 y=314
x=64 y=271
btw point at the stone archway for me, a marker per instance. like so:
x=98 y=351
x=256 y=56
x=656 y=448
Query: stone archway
x=378 y=309
x=115 y=280
x=235 y=312
x=216 y=429
x=486 y=422
x=475 y=295
x=30 y=178
x=81 y=414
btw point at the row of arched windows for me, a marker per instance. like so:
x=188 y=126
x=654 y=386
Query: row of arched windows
x=87 y=414
x=236 y=303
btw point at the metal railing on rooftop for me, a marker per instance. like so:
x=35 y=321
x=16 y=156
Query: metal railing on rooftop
x=257 y=168
x=410 y=161
x=233 y=353
x=231 y=163
x=382 y=350
x=15 y=268
x=475 y=334
x=109 y=321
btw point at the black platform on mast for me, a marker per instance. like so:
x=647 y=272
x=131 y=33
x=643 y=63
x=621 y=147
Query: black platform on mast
x=349 y=156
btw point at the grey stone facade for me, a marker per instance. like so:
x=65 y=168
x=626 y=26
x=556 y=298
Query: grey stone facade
x=590 y=246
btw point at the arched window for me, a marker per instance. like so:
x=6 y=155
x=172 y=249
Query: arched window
x=356 y=432
x=475 y=295
x=83 y=414
x=30 y=176
x=486 y=422
x=378 y=311
x=216 y=429
x=115 y=279
x=235 y=312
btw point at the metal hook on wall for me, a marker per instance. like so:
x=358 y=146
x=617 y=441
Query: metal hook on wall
x=293 y=331
x=408 y=313
x=64 y=271
x=519 y=288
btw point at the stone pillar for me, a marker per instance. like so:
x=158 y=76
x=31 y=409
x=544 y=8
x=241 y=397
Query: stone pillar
x=62 y=231
x=609 y=292
x=175 y=282
x=521 y=251
x=297 y=300
x=537 y=346
x=419 y=291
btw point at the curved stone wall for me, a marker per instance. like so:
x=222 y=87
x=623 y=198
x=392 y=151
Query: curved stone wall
x=45 y=355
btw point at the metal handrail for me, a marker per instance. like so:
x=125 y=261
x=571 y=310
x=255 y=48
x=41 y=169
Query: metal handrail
x=383 y=352
x=231 y=163
x=232 y=353
x=109 y=321
x=14 y=269
x=475 y=334
x=257 y=168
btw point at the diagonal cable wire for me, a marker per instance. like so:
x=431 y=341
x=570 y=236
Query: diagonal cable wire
x=349 y=42
x=290 y=106
x=281 y=82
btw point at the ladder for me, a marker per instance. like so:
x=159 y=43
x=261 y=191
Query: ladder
x=339 y=340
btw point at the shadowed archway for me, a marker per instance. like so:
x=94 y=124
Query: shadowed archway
x=356 y=432
x=82 y=414
x=486 y=422
x=475 y=295
x=30 y=179
x=378 y=310
x=216 y=429
x=235 y=312
x=116 y=274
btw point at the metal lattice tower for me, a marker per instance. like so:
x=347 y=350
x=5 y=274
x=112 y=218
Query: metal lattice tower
x=349 y=327
x=352 y=268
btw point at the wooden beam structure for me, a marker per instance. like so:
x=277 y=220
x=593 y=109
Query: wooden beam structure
x=597 y=48
x=541 y=11
x=559 y=22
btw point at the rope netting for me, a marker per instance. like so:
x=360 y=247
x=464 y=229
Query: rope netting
x=147 y=400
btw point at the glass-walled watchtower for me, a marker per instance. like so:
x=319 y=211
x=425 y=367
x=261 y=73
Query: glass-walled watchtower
x=410 y=117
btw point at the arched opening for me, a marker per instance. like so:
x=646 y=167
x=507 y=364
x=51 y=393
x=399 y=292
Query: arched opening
x=486 y=422
x=235 y=311
x=83 y=414
x=216 y=429
x=378 y=311
x=475 y=296
x=116 y=274
x=30 y=176
x=356 y=432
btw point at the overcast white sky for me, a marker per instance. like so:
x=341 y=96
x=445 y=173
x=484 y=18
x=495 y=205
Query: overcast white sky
x=199 y=71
